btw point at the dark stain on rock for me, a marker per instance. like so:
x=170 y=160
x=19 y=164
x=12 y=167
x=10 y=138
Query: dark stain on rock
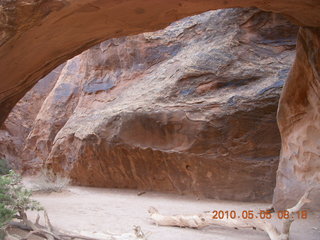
x=236 y=82
x=139 y=11
x=276 y=85
x=160 y=53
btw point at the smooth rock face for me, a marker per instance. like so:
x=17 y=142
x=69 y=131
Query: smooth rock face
x=18 y=125
x=299 y=123
x=188 y=109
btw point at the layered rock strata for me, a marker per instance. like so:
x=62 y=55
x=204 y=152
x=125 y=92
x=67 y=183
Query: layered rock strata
x=38 y=35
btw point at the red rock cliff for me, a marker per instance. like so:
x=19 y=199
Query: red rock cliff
x=189 y=109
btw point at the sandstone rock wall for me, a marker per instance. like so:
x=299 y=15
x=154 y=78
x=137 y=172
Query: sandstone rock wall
x=38 y=35
x=188 y=109
x=18 y=125
x=299 y=123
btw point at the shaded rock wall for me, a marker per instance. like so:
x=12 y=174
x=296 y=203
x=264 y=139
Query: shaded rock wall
x=18 y=125
x=189 y=109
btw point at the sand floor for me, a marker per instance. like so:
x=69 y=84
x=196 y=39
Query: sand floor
x=114 y=210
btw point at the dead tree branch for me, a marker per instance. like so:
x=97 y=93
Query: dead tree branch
x=206 y=219
x=49 y=232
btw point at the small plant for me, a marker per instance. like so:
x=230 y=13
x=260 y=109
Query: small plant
x=47 y=181
x=4 y=167
x=6 y=215
x=15 y=199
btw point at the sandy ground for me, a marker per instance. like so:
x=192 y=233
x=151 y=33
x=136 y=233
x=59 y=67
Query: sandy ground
x=113 y=210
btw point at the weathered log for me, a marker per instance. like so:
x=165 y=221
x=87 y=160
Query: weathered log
x=205 y=219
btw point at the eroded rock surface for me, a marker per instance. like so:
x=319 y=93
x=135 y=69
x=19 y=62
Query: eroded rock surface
x=20 y=122
x=188 y=109
x=299 y=123
x=38 y=35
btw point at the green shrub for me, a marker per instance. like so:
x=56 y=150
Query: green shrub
x=4 y=167
x=15 y=199
x=6 y=216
